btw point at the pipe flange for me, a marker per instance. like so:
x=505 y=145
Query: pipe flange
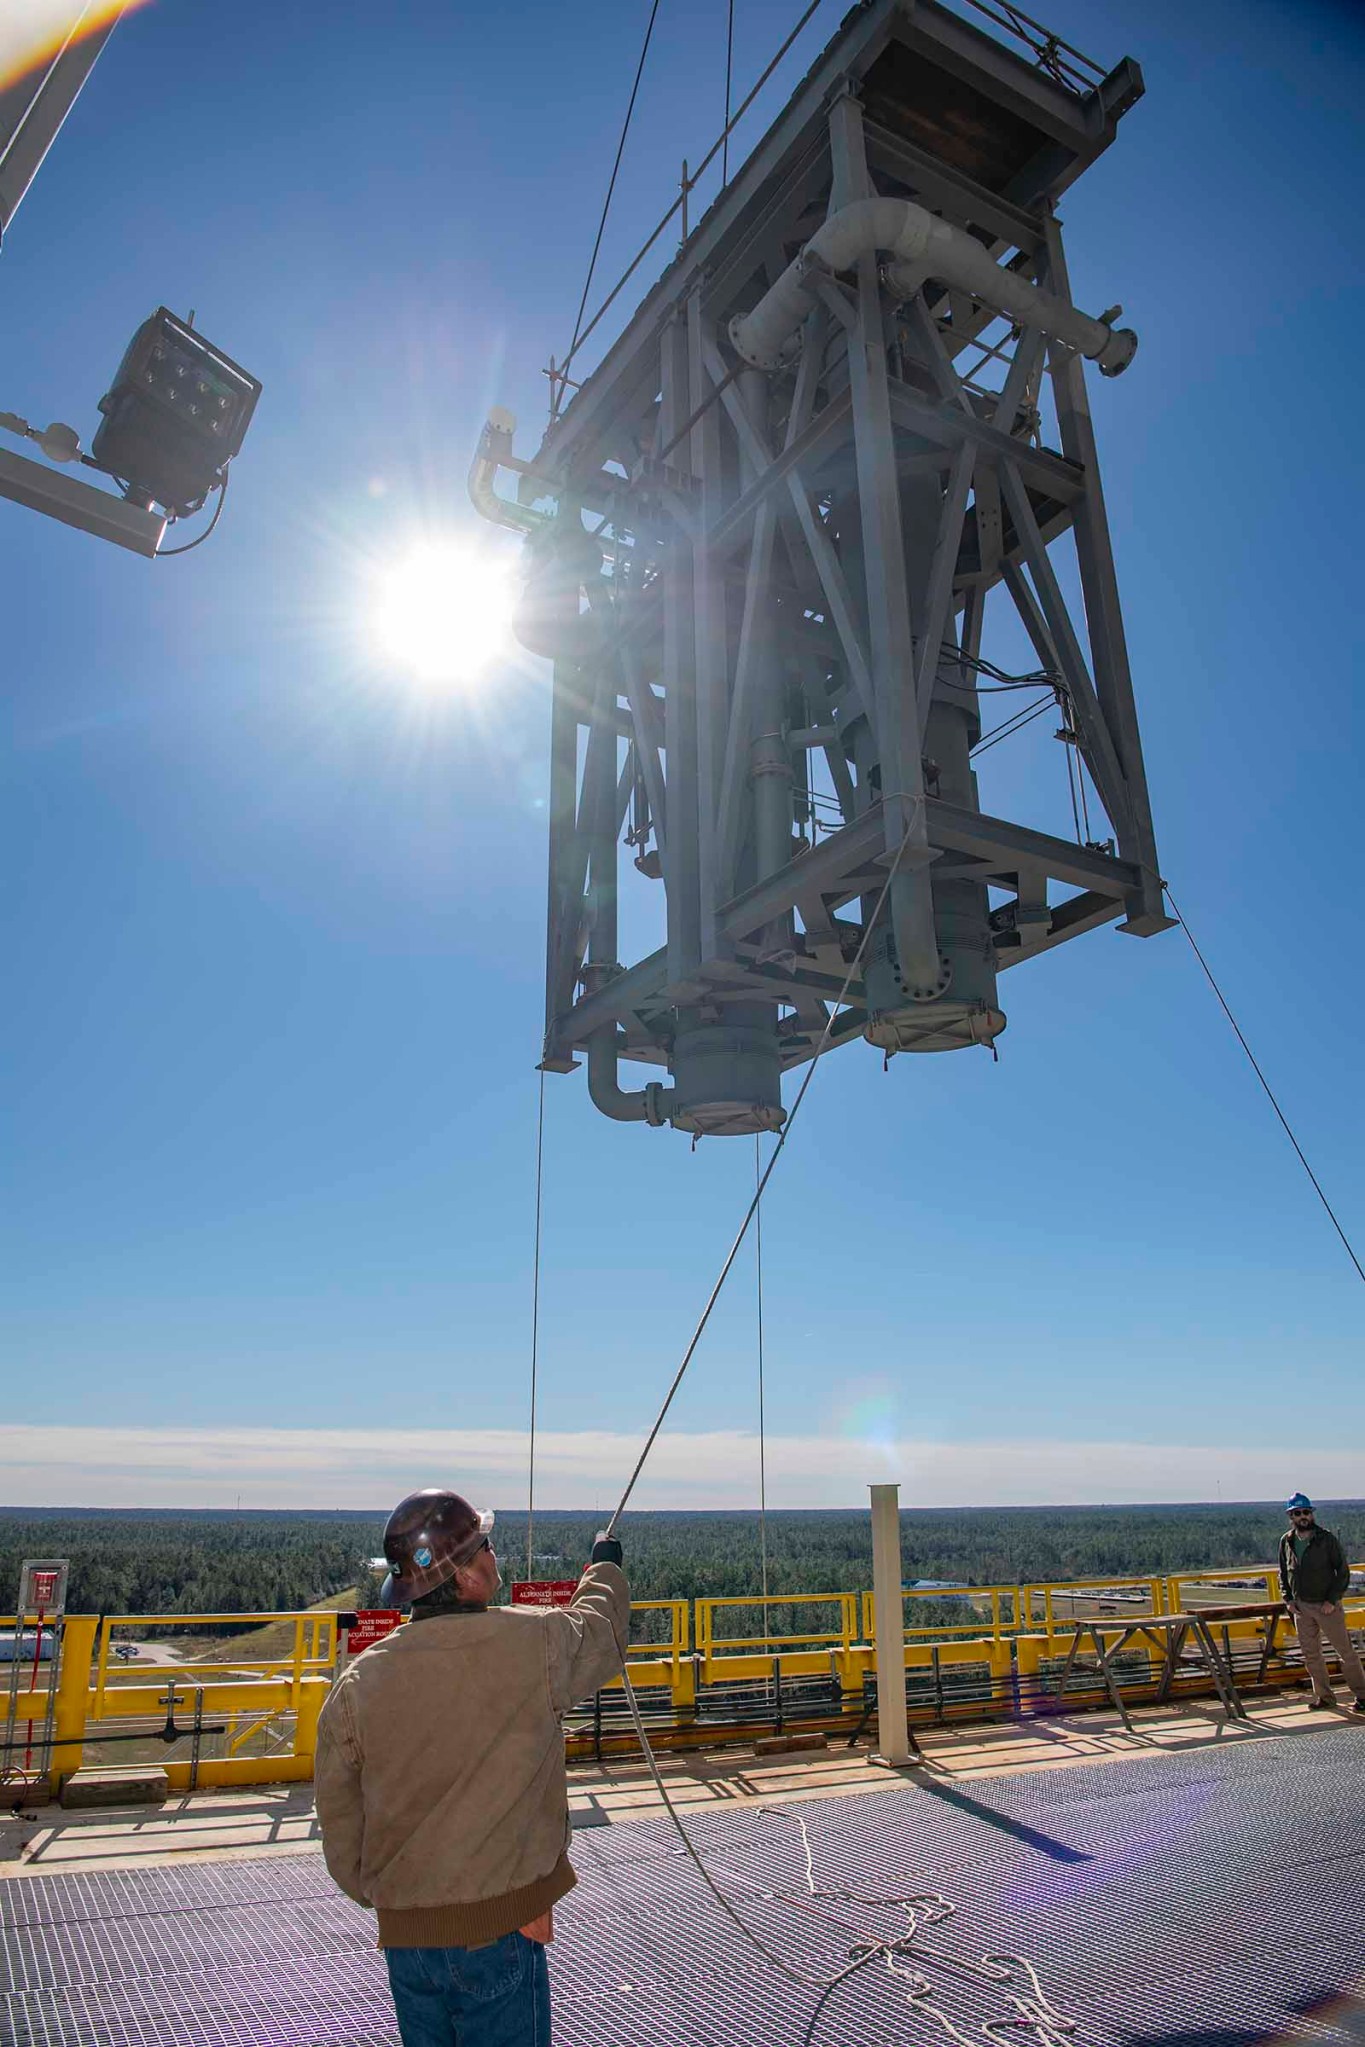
x=943 y=981
x=783 y=360
x=1118 y=352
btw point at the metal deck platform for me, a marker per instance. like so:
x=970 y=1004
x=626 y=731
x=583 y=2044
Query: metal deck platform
x=1212 y=1899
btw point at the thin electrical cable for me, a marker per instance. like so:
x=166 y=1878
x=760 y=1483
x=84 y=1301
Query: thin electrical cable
x=535 y=1323
x=1265 y=1084
x=168 y=553
x=611 y=185
x=766 y=1175
x=1071 y=786
x=762 y=1436
x=980 y=666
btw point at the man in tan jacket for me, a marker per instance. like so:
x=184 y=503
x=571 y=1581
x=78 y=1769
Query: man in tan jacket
x=441 y=1789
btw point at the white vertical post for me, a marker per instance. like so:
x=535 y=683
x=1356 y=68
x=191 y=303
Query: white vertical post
x=893 y=1734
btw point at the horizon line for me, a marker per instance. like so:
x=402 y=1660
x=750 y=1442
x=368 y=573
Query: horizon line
x=852 y=1507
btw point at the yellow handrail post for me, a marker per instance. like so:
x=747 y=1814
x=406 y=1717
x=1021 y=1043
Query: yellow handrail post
x=310 y=1700
x=73 y=1697
x=105 y=1627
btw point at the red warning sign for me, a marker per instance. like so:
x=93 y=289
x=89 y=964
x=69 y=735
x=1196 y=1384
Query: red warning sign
x=370 y=1626
x=544 y=1591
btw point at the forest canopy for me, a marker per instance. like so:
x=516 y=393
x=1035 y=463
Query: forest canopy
x=172 y=1560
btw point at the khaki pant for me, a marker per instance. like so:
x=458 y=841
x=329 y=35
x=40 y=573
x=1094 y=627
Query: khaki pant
x=1311 y=1624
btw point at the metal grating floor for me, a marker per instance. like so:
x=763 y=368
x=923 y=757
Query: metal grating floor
x=1213 y=1900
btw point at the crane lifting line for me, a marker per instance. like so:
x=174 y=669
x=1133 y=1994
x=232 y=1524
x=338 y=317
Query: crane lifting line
x=867 y=1950
x=1047 y=2025
x=752 y=1210
x=1041 y=2017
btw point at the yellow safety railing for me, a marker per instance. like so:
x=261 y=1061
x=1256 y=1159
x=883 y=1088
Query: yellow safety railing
x=312 y=1653
x=715 y=1645
x=985 y=1606
x=1193 y=1589
x=1015 y=1637
x=1054 y=1609
x=667 y=1662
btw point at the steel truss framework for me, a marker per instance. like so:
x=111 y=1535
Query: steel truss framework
x=765 y=593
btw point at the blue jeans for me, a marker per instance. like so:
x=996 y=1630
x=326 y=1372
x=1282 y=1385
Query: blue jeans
x=494 y=1996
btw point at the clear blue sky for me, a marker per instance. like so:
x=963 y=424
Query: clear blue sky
x=273 y=924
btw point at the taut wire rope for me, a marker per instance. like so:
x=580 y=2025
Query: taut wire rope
x=838 y=1003
x=762 y=1430
x=1265 y=1084
x=729 y=87
x=535 y=1322
x=824 y=1984
x=611 y=184
x=712 y=153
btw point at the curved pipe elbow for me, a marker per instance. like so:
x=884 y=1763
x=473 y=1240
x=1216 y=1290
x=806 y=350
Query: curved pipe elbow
x=651 y=1104
x=494 y=442
x=917 y=244
x=485 y=499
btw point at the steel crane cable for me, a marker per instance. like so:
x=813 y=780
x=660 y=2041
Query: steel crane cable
x=868 y=1950
x=729 y=88
x=828 y=1984
x=611 y=183
x=767 y=1173
x=762 y=1426
x=1265 y=1084
x=1010 y=726
x=535 y=1323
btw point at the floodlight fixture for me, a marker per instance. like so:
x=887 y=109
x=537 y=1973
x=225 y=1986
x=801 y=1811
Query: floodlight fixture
x=174 y=417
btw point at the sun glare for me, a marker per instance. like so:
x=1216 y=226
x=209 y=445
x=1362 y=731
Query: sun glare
x=442 y=613
x=33 y=31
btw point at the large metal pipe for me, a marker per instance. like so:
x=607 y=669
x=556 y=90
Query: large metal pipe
x=654 y=1102
x=650 y=1104
x=495 y=444
x=918 y=245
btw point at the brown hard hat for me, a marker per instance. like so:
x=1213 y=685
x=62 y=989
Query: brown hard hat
x=427 y=1538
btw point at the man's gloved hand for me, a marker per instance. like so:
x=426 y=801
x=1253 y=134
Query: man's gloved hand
x=606 y=1549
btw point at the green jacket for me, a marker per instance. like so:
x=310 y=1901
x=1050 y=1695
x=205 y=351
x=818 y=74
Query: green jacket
x=1320 y=1574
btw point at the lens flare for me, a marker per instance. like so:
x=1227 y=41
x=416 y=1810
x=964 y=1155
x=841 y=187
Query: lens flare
x=441 y=612
x=33 y=31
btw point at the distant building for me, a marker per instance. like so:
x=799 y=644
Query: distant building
x=28 y=1642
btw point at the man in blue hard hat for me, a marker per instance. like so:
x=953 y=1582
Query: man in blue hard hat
x=440 y=1774
x=1314 y=1574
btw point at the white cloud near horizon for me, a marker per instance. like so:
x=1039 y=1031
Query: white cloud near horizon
x=166 y=1466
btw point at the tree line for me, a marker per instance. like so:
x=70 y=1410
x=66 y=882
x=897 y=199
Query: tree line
x=177 y=1561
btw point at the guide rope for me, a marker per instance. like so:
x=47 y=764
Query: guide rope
x=838 y=1003
x=1031 y=2013
x=535 y=1324
x=867 y=1950
x=762 y=1432
x=1265 y=1084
